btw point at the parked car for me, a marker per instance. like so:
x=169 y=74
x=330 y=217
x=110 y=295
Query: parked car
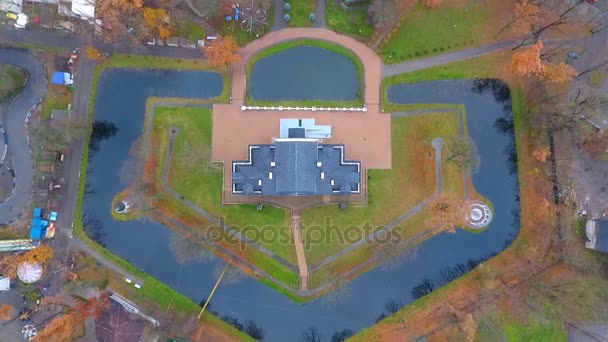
x=11 y=15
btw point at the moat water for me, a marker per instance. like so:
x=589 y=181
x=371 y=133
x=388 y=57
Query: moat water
x=121 y=99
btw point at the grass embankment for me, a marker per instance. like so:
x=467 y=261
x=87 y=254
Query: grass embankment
x=430 y=31
x=499 y=284
x=300 y=10
x=390 y=192
x=352 y=22
x=12 y=79
x=153 y=289
x=193 y=175
x=274 y=49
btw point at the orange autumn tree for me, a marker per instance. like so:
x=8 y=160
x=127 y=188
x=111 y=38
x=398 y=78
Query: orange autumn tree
x=528 y=62
x=9 y=264
x=156 y=20
x=222 y=52
x=558 y=72
x=41 y=254
x=58 y=330
x=525 y=16
x=6 y=312
x=445 y=212
x=431 y=3
x=61 y=328
x=121 y=18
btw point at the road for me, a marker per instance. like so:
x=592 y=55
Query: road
x=14 y=123
x=59 y=39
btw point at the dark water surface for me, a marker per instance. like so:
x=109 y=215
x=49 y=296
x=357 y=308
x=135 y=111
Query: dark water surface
x=121 y=100
x=304 y=73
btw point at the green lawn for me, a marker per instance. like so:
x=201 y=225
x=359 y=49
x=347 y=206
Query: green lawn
x=277 y=48
x=190 y=30
x=479 y=67
x=390 y=192
x=300 y=10
x=196 y=178
x=12 y=80
x=352 y=22
x=56 y=97
x=430 y=31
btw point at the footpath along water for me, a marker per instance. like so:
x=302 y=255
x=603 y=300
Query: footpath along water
x=121 y=100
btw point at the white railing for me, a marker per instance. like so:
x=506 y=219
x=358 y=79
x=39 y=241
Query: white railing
x=132 y=309
x=312 y=109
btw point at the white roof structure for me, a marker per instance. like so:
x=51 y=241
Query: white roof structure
x=84 y=9
x=29 y=272
x=14 y=6
x=5 y=284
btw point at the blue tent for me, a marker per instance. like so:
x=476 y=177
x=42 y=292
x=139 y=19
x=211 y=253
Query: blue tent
x=60 y=77
x=36 y=233
x=37 y=212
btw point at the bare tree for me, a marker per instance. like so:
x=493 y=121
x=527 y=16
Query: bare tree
x=382 y=13
x=311 y=334
x=340 y=290
x=462 y=152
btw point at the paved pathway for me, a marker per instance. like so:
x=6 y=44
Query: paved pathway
x=467 y=173
x=81 y=245
x=296 y=232
x=14 y=124
x=446 y=58
x=438 y=146
x=279 y=23
x=320 y=13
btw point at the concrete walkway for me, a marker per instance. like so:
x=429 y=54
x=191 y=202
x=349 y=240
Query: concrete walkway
x=446 y=58
x=320 y=13
x=296 y=232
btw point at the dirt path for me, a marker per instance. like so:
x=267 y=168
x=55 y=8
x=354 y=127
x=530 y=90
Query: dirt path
x=296 y=225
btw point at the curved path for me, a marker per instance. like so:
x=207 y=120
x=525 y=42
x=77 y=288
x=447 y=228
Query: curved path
x=14 y=123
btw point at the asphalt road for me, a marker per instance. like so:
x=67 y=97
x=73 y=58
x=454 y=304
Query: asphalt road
x=14 y=123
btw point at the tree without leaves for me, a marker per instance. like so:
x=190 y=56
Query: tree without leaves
x=342 y=335
x=311 y=334
x=425 y=287
x=461 y=152
x=445 y=212
x=222 y=52
x=393 y=306
x=382 y=12
x=6 y=312
x=253 y=330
